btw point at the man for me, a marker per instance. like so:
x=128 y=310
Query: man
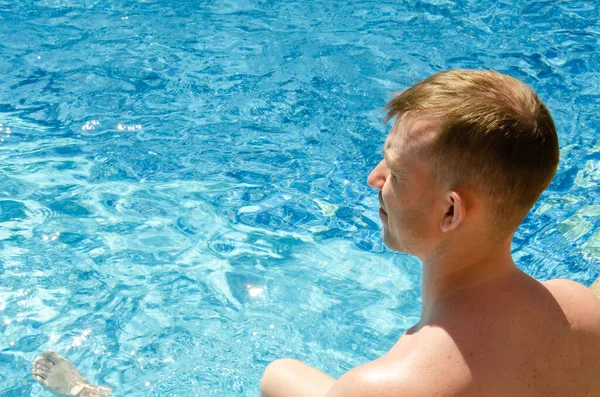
x=467 y=157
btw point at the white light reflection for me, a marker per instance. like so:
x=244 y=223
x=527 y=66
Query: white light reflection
x=51 y=237
x=123 y=127
x=6 y=131
x=90 y=125
x=78 y=340
x=255 y=292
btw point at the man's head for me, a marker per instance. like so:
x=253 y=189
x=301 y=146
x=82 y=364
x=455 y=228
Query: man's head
x=463 y=138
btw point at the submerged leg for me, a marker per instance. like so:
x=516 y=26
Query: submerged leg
x=59 y=376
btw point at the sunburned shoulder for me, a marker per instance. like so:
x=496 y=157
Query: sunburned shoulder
x=582 y=309
x=438 y=372
x=580 y=305
x=362 y=382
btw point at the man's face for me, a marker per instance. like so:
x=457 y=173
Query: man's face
x=407 y=194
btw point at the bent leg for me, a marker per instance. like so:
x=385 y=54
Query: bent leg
x=292 y=378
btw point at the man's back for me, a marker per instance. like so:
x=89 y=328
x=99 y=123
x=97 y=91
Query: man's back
x=510 y=337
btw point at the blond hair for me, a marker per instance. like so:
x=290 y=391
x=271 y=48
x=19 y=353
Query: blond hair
x=495 y=136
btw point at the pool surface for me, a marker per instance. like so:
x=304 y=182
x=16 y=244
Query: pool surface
x=183 y=188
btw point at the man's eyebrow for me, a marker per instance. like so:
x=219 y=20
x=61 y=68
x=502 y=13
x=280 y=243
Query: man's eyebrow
x=385 y=155
x=394 y=170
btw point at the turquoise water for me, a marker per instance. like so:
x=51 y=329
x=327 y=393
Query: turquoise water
x=183 y=184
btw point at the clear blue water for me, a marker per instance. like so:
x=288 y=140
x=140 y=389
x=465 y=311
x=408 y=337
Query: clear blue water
x=183 y=184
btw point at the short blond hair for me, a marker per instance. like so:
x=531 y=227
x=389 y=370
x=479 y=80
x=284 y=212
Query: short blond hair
x=495 y=136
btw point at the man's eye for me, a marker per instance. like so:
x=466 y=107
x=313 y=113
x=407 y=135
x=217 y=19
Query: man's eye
x=396 y=178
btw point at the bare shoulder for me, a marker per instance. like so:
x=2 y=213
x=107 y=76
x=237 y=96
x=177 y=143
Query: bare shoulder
x=573 y=295
x=400 y=381
x=415 y=375
x=580 y=305
x=562 y=284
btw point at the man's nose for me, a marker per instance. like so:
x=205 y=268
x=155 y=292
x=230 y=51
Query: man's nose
x=377 y=177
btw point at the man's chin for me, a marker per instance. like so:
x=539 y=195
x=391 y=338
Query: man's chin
x=391 y=243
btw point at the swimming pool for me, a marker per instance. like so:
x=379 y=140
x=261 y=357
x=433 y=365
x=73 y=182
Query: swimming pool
x=183 y=184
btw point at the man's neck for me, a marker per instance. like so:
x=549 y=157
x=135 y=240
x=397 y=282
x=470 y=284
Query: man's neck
x=456 y=272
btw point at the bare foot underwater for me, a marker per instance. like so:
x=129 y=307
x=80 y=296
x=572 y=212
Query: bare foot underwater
x=58 y=375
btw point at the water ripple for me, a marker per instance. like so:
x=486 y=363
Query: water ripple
x=183 y=185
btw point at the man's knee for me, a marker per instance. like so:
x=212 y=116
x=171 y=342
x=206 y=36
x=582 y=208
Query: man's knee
x=273 y=374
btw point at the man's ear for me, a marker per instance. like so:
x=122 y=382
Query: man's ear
x=455 y=211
